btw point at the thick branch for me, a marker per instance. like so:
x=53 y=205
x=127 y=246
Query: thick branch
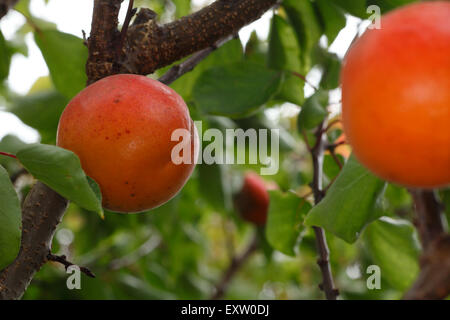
x=5 y=5
x=433 y=281
x=428 y=216
x=434 y=278
x=327 y=284
x=42 y=211
x=235 y=265
x=150 y=46
x=103 y=40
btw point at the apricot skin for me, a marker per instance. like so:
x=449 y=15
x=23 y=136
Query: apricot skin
x=120 y=127
x=396 y=96
x=252 y=202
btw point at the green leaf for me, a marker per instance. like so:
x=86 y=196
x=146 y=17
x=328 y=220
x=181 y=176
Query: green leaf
x=354 y=7
x=284 y=49
x=5 y=58
x=61 y=170
x=394 y=247
x=41 y=111
x=10 y=220
x=313 y=111
x=66 y=57
x=291 y=90
x=183 y=7
x=229 y=53
x=212 y=187
x=10 y=144
x=284 y=221
x=235 y=90
x=331 y=71
x=333 y=19
x=307 y=27
x=352 y=202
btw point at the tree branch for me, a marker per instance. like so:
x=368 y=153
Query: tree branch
x=428 y=216
x=63 y=260
x=327 y=284
x=433 y=281
x=41 y=213
x=5 y=5
x=149 y=46
x=102 y=42
x=235 y=265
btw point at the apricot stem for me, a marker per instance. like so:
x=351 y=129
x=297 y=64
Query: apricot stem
x=8 y=155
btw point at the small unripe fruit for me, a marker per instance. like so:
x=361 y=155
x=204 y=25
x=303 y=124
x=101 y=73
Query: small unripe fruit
x=121 y=127
x=396 y=96
x=252 y=202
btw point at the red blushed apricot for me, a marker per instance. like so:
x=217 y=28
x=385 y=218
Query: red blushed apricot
x=396 y=96
x=252 y=202
x=120 y=127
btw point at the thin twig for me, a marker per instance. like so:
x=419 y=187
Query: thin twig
x=235 y=265
x=8 y=155
x=327 y=284
x=189 y=64
x=299 y=75
x=123 y=33
x=63 y=260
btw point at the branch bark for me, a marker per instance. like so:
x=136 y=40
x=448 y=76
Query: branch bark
x=41 y=213
x=149 y=46
x=327 y=284
x=433 y=281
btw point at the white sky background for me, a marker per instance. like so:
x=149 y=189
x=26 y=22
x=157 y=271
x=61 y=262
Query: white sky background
x=72 y=16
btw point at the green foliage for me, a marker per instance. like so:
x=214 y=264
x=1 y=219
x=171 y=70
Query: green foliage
x=307 y=27
x=235 y=90
x=332 y=18
x=60 y=169
x=10 y=220
x=66 y=57
x=313 y=111
x=284 y=49
x=41 y=111
x=352 y=202
x=284 y=221
x=394 y=247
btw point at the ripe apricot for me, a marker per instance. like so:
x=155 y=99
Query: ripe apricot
x=252 y=202
x=396 y=96
x=120 y=127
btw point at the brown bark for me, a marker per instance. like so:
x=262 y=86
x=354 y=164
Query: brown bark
x=149 y=46
x=433 y=281
x=41 y=213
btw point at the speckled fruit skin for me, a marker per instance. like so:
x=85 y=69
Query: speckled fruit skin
x=396 y=96
x=121 y=127
x=252 y=202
